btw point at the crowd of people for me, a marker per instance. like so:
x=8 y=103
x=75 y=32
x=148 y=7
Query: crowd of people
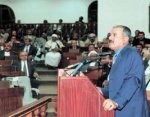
x=50 y=44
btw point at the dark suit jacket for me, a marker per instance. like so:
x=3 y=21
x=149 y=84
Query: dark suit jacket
x=31 y=67
x=32 y=50
x=2 y=56
x=127 y=84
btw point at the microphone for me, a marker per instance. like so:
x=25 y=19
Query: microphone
x=72 y=66
x=105 y=53
x=77 y=69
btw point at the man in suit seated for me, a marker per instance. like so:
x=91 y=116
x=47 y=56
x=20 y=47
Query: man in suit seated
x=6 y=52
x=27 y=68
x=29 y=48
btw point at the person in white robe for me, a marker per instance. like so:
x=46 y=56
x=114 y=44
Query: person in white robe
x=53 y=56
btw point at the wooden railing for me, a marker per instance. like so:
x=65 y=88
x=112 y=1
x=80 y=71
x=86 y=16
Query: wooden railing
x=39 y=28
x=35 y=109
x=10 y=99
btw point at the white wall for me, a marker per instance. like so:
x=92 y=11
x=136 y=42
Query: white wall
x=132 y=13
x=35 y=11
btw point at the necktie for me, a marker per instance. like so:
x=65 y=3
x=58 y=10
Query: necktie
x=25 y=69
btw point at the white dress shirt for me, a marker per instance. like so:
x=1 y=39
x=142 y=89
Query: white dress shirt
x=26 y=65
x=6 y=53
x=26 y=48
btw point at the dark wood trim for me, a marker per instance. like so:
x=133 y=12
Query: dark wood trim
x=23 y=111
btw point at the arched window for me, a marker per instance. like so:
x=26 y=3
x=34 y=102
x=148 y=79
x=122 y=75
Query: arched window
x=92 y=17
x=6 y=15
x=93 y=12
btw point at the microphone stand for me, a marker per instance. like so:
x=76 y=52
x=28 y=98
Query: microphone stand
x=84 y=62
x=78 y=68
x=81 y=64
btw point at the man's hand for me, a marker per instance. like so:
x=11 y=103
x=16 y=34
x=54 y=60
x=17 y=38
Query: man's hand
x=109 y=105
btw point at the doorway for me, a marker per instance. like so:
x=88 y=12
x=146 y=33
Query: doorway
x=93 y=12
x=6 y=15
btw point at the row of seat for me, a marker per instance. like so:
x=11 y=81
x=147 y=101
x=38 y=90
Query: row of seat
x=7 y=69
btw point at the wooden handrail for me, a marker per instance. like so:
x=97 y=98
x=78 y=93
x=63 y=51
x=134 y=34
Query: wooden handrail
x=35 y=109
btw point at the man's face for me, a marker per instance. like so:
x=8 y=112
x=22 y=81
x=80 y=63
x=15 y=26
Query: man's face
x=27 y=42
x=116 y=39
x=91 y=47
x=13 y=38
x=7 y=47
x=139 y=47
x=141 y=36
x=23 y=56
x=54 y=39
x=14 y=33
x=74 y=43
x=92 y=38
x=106 y=60
x=29 y=32
x=93 y=57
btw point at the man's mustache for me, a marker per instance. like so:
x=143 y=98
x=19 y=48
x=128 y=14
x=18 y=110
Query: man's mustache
x=110 y=41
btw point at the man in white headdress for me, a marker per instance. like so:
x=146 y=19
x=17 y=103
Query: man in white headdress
x=91 y=39
x=53 y=56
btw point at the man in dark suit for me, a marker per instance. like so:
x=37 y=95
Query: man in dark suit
x=29 y=48
x=27 y=68
x=7 y=52
x=126 y=90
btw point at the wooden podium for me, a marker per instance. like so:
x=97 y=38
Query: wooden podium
x=78 y=97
